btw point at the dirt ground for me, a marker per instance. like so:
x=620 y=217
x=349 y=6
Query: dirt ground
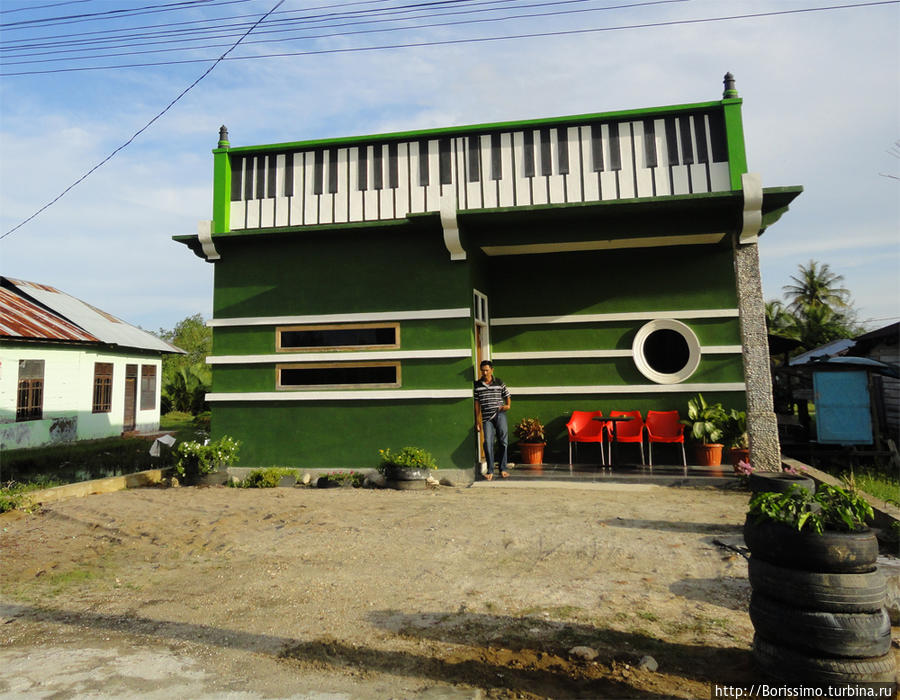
x=456 y=592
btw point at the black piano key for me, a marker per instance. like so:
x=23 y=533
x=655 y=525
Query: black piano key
x=672 y=141
x=362 y=170
x=237 y=174
x=289 y=175
x=650 y=144
x=318 y=172
x=423 y=163
x=378 y=168
x=546 y=161
x=272 y=169
x=332 y=170
x=687 y=147
x=597 y=148
x=248 y=178
x=260 y=176
x=528 y=153
x=393 y=172
x=717 y=137
x=615 y=152
x=562 y=136
x=700 y=133
x=445 y=162
x=474 y=148
x=496 y=159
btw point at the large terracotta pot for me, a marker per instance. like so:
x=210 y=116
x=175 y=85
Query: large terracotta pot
x=708 y=455
x=738 y=454
x=532 y=452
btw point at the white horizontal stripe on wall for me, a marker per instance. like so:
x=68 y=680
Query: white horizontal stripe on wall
x=588 y=354
x=338 y=356
x=608 y=244
x=603 y=318
x=463 y=312
x=375 y=394
x=627 y=389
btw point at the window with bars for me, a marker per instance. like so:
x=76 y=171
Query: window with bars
x=103 y=376
x=148 y=387
x=30 y=395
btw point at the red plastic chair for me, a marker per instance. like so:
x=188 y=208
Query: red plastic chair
x=583 y=428
x=627 y=431
x=664 y=426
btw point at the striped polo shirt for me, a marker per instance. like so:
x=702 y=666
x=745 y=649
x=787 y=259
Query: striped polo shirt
x=490 y=397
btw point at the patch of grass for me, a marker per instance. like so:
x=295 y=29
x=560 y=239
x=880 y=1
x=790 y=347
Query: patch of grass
x=12 y=492
x=879 y=486
x=647 y=615
x=265 y=478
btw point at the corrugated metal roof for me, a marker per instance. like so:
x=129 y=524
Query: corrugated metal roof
x=20 y=318
x=98 y=324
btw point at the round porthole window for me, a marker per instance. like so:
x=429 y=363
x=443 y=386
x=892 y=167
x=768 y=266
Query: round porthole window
x=666 y=351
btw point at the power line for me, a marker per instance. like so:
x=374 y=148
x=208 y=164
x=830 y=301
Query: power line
x=473 y=40
x=143 y=128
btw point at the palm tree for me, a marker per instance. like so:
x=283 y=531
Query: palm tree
x=780 y=321
x=816 y=286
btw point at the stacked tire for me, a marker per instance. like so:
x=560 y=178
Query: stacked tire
x=817 y=607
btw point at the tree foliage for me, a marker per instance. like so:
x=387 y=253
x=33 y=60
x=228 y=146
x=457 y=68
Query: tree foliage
x=186 y=378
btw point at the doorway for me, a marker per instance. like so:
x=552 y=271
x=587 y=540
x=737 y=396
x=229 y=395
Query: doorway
x=131 y=373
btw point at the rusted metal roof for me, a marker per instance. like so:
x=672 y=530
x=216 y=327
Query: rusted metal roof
x=20 y=318
x=74 y=319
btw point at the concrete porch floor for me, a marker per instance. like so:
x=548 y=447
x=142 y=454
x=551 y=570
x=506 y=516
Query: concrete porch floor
x=662 y=475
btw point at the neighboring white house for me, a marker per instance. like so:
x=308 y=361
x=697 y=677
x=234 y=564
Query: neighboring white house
x=69 y=371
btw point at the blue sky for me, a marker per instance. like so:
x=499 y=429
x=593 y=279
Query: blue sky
x=821 y=109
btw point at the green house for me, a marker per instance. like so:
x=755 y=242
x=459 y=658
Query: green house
x=603 y=261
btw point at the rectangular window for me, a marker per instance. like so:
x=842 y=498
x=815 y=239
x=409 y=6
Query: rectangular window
x=148 y=387
x=347 y=375
x=30 y=394
x=103 y=375
x=338 y=337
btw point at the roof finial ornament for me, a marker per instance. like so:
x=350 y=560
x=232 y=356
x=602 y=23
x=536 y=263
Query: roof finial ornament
x=223 y=137
x=730 y=90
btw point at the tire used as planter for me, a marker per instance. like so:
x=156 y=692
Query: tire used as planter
x=826 y=592
x=779 y=482
x=405 y=479
x=828 y=634
x=791 y=666
x=837 y=552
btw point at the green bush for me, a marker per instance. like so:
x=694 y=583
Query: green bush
x=351 y=478
x=194 y=459
x=407 y=458
x=832 y=508
x=12 y=493
x=265 y=478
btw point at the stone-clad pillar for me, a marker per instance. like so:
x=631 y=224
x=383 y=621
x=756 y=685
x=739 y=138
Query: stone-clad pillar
x=762 y=425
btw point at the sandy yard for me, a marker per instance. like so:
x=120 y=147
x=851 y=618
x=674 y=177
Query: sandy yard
x=457 y=592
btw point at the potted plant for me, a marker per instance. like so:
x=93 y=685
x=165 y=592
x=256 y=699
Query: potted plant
x=195 y=460
x=736 y=437
x=706 y=423
x=406 y=469
x=530 y=432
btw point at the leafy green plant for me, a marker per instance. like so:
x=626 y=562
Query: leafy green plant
x=265 y=478
x=705 y=420
x=194 y=459
x=406 y=458
x=12 y=493
x=735 y=429
x=351 y=478
x=832 y=508
x=530 y=430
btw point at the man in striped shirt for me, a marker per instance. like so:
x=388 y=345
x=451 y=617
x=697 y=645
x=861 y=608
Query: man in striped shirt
x=492 y=401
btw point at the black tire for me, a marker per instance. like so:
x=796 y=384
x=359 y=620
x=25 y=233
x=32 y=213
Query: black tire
x=827 y=592
x=790 y=666
x=830 y=552
x=842 y=635
x=779 y=482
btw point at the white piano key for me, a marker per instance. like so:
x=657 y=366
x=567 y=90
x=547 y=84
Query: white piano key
x=282 y=203
x=253 y=213
x=680 y=181
x=354 y=195
x=405 y=177
x=371 y=196
x=310 y=198
x=326 y=199
x=489 y=184
x=474 y=199
x=433 y=190
x=720 y=177
x=609 y=187
x=266 y=212
x=574 y=178
x=699 y=182
x=522 y=183
x=556 y=180
x=626 y=175
x=539 y=183
x=416 y=190
x=643 y=173
x=341 y=198
x=458 y=159
x=238 y=215
x=386 y=194
x=508 y=179
x=590 y=179
x=298 y=198
x=661 y=172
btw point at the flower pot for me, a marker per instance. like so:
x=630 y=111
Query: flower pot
x=738 y=454
x=403 y=478
x=532 y=452
x=708 y=455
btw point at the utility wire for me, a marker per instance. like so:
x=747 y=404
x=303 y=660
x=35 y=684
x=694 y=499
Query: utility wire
x=143 y=128
x=474 y=40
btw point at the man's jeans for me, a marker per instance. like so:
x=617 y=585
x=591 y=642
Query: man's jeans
x=495 y=427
